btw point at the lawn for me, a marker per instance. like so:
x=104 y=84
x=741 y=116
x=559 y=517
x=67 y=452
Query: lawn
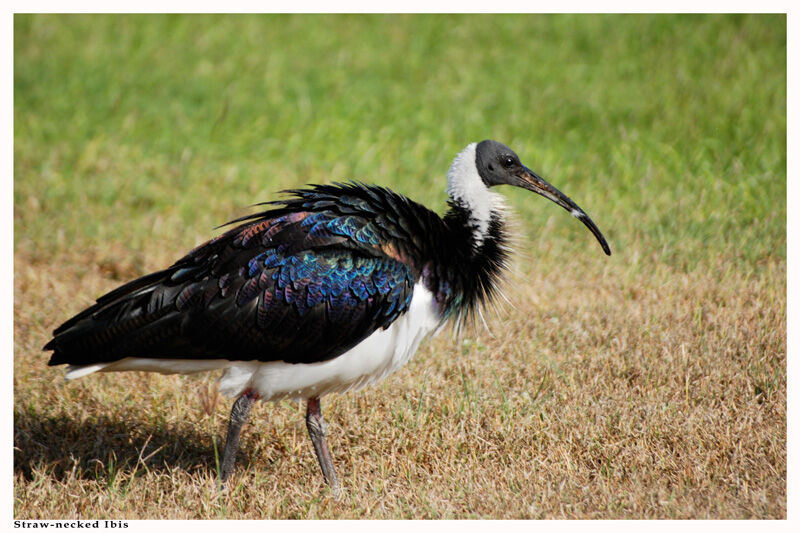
x=648 y=384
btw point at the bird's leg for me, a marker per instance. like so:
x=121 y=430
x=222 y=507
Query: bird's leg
x=239 y=415
x=317 y=429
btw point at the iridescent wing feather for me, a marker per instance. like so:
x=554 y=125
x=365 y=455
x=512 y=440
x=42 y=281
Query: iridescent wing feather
x=301 y=282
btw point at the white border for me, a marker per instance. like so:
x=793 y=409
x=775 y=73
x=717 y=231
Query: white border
x=304 y=6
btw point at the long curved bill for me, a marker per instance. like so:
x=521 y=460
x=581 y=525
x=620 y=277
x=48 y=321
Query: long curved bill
x=531 y=181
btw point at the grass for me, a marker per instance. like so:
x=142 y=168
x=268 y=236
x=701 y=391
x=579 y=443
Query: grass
x=651 y=384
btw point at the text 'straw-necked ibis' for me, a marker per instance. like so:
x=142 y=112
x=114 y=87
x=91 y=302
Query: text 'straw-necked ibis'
x=325 y=291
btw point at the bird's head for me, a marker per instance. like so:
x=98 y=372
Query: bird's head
x=497 y=164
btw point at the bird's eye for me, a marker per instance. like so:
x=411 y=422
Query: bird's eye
x=508 y=161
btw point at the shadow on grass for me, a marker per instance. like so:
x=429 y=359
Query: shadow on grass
x=99 y=448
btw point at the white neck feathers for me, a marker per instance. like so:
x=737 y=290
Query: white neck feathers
x=466 y=187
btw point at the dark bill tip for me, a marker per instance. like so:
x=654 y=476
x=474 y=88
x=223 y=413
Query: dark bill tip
x=531 y=181
x=583 y=217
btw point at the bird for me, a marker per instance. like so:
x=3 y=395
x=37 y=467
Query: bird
x=329 y=289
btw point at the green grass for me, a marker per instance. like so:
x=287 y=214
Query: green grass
x=669 y=130
x=134 y=136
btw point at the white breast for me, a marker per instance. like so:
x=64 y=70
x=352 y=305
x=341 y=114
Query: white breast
x=374 y=358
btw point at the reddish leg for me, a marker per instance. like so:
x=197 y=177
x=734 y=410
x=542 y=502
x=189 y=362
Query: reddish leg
x=317 y=429
x=239 y=415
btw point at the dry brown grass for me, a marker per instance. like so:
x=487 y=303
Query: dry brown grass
x=609 y=392
x=648 y=384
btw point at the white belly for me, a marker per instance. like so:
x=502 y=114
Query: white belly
x=374 y=358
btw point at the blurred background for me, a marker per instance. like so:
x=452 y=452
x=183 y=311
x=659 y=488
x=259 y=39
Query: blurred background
x=669 y=130
x=135 y=136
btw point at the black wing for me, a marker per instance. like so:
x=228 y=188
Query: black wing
x=301 y=283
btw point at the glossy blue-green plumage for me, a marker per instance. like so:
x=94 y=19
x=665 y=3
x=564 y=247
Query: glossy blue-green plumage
x=301 y=282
